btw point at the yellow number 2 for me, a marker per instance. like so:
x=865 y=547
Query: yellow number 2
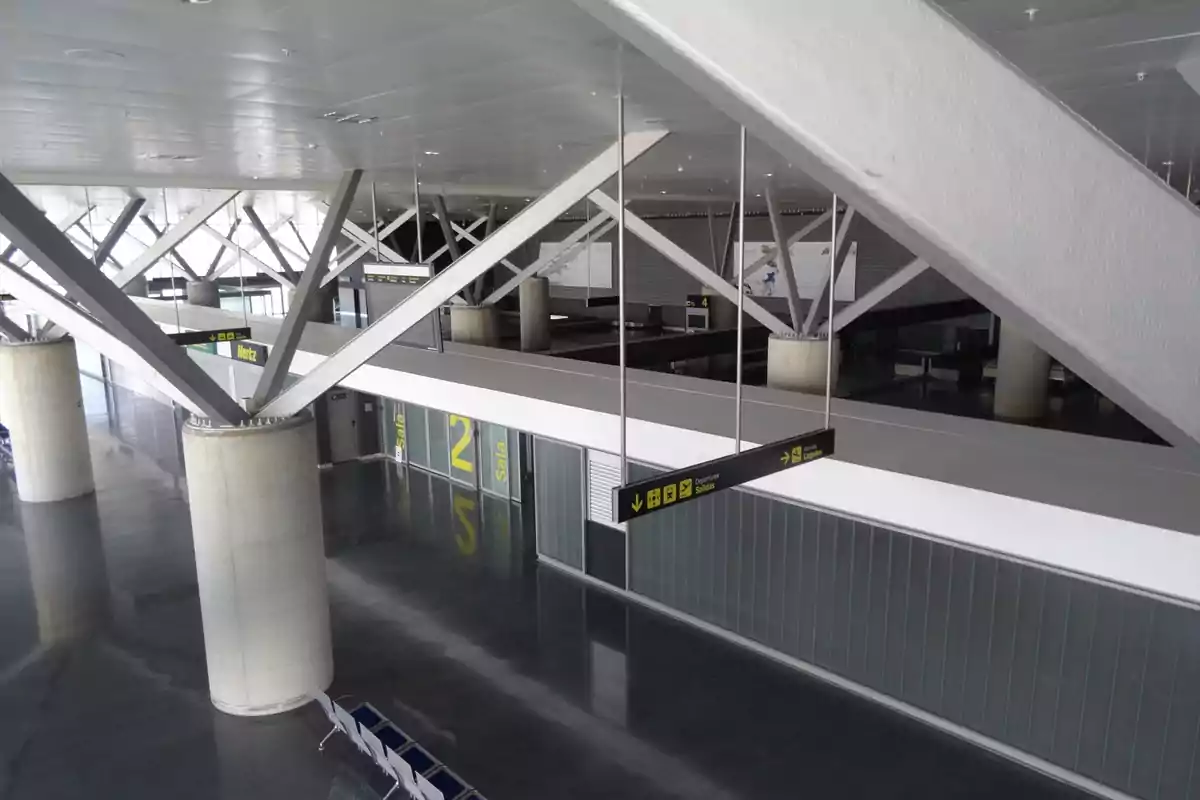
x=464 y=441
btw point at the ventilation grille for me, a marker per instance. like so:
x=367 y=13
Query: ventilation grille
x=604 y=475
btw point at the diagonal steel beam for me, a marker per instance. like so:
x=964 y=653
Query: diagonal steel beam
x=439 y=211
x=299 y=238
x=269 y=241
x=12 y=330
x=769 y=254
x=179 y=259
x=49 y=303
x=221 y=250
x=429 y=297
x=563 y=257
x=568 y=244
x=25 y=226
x=65 y=224
x=237 y=249
x=886 y=289
x=487 y=231
x=688 y=263
x=444 y=248
x=362 y=237
x=123 y=221
x=271 y=272
x=307 y=290
x=730 y=238
x=362 y=250
x=839 y=259
x=178 y=232
x=785 y=260
x=463 y=233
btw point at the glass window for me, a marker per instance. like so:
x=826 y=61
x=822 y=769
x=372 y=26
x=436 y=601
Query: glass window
x=439 y=441
x=418 y=436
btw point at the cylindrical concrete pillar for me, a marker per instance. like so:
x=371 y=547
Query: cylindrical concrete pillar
x=137 y=287
x=67 y=568
x=42 y=406
x=1022 y=378
x=474 y=325
x=260 y=562
x=203 y=293
x=799 y=365
x=535 y=314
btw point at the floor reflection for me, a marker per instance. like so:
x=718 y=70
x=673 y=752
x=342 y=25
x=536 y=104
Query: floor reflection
x=524 y=681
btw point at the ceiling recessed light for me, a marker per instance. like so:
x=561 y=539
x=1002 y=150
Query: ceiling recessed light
x=662 y=191
x=679 y=168
x=365 y=120
x=330 y=114
x=312 y=145
x=432 y=153
x=1031 y=13
x=758 y=195
x=179 y=157
x=287 y=52
x=1141 y=76
x=593 y=94
x=769 y=175
x=346 y=118
x=196 y=2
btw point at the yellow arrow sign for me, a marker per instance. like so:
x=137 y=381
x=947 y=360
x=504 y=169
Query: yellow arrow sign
x=785 y=458
x=637 y=503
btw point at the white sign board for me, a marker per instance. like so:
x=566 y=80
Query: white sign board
x=810 y=263
x=591 y=266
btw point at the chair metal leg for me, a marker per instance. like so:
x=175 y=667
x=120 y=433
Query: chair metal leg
x=321 y=746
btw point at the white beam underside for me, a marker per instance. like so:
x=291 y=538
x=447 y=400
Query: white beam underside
x=965 y=162
x=266 y=268
x=689 y=263
x=442 y=287
x=232 y=260
x=173 y=236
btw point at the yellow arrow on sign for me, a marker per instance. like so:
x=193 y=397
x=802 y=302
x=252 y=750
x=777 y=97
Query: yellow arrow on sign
x=785 y=458
x=212 y=337
x=637 y=503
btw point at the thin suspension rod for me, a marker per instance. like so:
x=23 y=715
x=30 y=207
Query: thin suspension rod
x=829 y=328
x=375 y=220
x=621 y=271
x=741 y=262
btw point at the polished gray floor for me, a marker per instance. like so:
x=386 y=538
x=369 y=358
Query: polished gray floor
x=522 y=680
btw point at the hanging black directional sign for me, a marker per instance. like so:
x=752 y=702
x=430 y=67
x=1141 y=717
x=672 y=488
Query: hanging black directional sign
x=683 y=485
x=209 y=337
x=6 y=297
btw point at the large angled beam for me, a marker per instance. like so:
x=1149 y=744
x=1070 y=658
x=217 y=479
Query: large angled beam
x=688 y=263
x=299 y=238
x=884 y=290
x=429 y=297
x=577 y=235
x=362 y=250
x=896 y=134
x=178 y=232
x=269 y=240
x=63 y=225
x=829 y=283
x=13 y=331
x=81 y=325
x=234 y=258
x=785 y=261
x=769 y=254
x=487 y=231
x=221 y=250
x=122 y=223
x=307 y=291
x=25 y=226
x=446 y=247
x=270 y=271
x=179 y=259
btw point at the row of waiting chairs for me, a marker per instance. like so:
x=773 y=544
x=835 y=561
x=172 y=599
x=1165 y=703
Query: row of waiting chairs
x=394 y=752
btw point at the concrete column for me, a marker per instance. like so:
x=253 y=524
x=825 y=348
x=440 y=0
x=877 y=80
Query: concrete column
x=67 y=568
x=137 y=287
x=799 y=365
x=474 y=325
x=42 y=406
x=535 y=314
x=260 y=562
x=1022 y=378
x=203 y=293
